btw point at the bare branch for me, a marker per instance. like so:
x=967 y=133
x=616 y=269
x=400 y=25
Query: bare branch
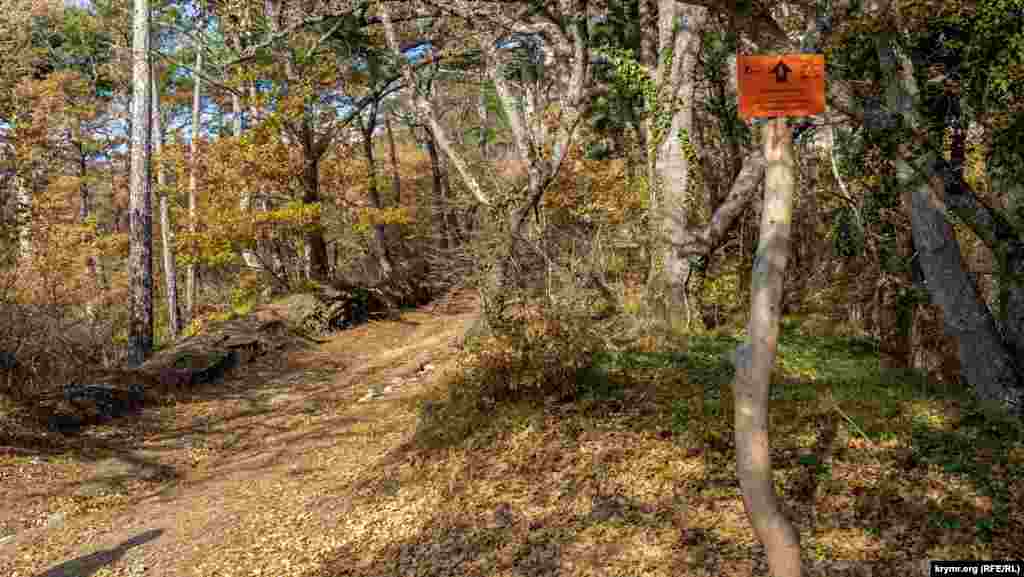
x=742 y=192
x=516 y=116
x=425 y=108
x=205 y=77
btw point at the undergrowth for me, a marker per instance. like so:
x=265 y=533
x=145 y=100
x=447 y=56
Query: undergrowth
x=845 y=432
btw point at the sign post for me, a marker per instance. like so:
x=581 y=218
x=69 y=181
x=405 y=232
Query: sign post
x=773 y=87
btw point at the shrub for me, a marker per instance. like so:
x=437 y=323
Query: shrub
x=535 y=352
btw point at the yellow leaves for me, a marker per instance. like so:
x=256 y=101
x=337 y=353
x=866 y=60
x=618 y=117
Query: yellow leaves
x=295 y=214
x=368 y=217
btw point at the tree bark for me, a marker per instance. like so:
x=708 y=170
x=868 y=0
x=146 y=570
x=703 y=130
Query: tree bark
x=84 y=198
x=437 y=193
x=755 y=359
x=383 y=258
x=245 y=194
x=704 y=241
x=84 y=210
x=174 y=324
x=264 y=246
x=481 y=112
x=316 y=247
x=193 y=185
x=140 y=255
x=999 y=234
x=396 y=178
x=679 y=29
x=24 y=182
x=987 y=361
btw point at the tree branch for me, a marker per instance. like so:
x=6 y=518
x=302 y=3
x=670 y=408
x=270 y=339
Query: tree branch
x=425 y=107
x=703 y=241
x=205 y=77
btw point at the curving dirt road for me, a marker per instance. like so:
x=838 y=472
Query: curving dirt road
x=253 y=478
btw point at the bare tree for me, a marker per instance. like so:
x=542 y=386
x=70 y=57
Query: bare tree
x=193 y=183
x=383 y=257
x=140 y=255
x=174 y=323
x=396 y=178
x=564 y=45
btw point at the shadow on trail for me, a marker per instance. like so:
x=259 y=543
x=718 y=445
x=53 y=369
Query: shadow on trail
x=89 y=564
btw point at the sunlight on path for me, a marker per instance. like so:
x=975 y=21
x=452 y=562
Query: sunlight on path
x=276 y=502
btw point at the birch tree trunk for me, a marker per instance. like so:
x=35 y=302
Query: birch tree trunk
x=174 y=324
x=193 y=185
x=140 y=254
x=755 y=359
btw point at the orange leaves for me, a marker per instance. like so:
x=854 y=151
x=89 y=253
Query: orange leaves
x=593 y=190
x=234 y=174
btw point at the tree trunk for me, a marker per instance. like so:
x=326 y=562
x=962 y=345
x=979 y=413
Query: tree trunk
x=396 y=178
x=679 y=29
x=648 y=16
x=755 y=359
x=481 y=112
x=263 y=245
x=316 y=247
x=987 y=362
x=383 y=258
x=84 y=199
x=437 y=193
x=245 y=195
x=999 y=235
x=573 y=73
x=140 y=254
x=193 y=185
x=174 y=324
x=84 y=210
x=425 y=110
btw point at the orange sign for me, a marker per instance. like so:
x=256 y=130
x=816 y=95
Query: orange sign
x=781 y=85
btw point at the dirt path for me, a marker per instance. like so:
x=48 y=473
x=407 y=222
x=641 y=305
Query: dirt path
x=253 y=478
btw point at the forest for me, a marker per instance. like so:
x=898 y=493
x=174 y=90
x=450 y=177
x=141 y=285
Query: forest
x=509 y=288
